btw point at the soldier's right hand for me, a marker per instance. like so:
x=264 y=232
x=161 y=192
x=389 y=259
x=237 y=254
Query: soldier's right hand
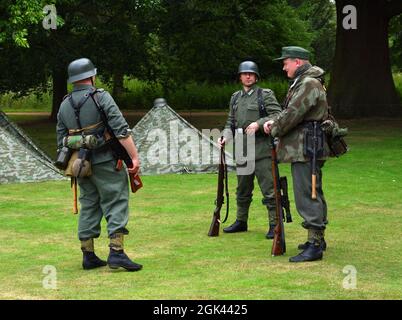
x=136 y=166
x=267 y=126
x=221 y=141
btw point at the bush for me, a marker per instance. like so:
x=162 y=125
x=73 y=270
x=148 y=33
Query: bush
x=204 y=96
x=398 y=83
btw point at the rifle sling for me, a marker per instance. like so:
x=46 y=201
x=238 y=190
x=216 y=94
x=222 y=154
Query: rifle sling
x=102 y=114
x=225 y=173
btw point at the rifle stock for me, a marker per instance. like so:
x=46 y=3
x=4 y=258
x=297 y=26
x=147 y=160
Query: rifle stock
x=214 y=228
x=278 y=244
x=135 y=182
x=222 y=180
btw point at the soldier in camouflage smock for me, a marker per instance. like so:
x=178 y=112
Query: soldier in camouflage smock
x=104 y=192
x=246 y=117
x=305 y=103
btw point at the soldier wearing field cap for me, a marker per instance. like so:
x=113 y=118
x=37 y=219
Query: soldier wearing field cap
x=103 y=186
x=305 y=104
x=246 y=116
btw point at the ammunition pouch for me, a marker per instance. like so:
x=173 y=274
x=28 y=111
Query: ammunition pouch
x=336 y=142
x=63 y=157
x=79 y=165
x=337 y=146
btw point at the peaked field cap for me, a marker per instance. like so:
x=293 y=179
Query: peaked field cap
x=294 y=52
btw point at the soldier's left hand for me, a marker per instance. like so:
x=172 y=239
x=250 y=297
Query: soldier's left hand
x=267 y=126
x=252 y=128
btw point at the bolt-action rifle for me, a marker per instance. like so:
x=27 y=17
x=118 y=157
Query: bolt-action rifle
x=281 y=202
x=119 y=152
x=222 y=185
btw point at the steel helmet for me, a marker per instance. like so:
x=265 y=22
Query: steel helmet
x=249 y=66
x=80 y=69
x=160 y=102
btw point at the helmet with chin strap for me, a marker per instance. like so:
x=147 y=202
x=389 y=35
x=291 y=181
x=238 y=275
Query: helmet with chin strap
x=80 y=69
x=248 y=66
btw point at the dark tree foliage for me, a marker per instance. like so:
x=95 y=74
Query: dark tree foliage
x=205 y=40
x=321 y=18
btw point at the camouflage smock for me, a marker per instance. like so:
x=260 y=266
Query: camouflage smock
x=306 y=101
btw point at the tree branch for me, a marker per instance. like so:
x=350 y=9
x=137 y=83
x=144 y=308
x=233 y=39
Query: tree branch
x=393 y=8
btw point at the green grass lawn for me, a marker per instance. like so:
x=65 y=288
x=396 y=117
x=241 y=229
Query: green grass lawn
x=170 y=218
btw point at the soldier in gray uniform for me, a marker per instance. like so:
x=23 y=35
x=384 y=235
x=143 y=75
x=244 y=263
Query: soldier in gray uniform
x=245 y=115
x=104 y=193
x=305 y=104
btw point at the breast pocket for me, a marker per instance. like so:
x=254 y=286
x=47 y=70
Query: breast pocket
x=253 y=114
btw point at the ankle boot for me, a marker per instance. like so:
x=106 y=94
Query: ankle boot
x=313 y=252
x=303 y=246
x=237 y=226
x=117 y=257
x=271 y=234
x=314 y=236
x=89 y=259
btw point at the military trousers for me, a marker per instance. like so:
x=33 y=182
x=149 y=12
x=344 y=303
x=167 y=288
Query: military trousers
x=313 y=211
x=245 y=187
x=103 y=194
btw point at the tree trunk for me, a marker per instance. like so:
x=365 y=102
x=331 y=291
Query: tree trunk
x=361 y=81
x=118 y=84
x=59 y=91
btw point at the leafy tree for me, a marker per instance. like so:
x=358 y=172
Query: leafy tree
x=204 y=40
x=321 y=18
x=15 y=19
x=395 y=42
x=106 y=32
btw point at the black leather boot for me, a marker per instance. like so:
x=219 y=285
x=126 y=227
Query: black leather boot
x=237 y=226
x=270 y=234
x=91 y=261
x=303 y=246
x=118 y=258
x=311 y=253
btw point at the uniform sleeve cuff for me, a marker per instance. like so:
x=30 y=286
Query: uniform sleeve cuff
x=124 y=134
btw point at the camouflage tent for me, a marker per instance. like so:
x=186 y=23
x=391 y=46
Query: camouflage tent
x=167 y=143
x=20 y=159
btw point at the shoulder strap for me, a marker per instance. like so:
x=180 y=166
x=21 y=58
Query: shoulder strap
x=261 y=104
x=233 y=102
x=77 y=107
x=102 y=112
